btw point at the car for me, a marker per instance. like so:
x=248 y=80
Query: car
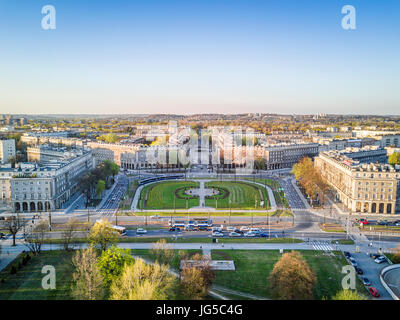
x=238 y=231
x=244 y=228
x=156 y=216
x=174 y=229
x=365 y=222
x=255 y=230
x=397 y=224
x=359 y=270
x=263 y=235
x=141 y=231
x=353 y=263
x=382 y=223
x=380 y=259
x=230 y=229
x=374 y=255
x=217 y=234
x=374 y=292
x=366 y=281
x=250 y=234
x=347 y=254
x=234 y=234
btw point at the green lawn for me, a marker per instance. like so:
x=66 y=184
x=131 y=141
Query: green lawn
x=161 y=195
x=26 y=284
x=242 y=195
x=253 y=268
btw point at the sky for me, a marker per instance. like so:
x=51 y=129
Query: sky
x=200 y=56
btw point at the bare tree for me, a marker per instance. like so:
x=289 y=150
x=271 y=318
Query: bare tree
x=13 y=224
x=68 y=233
x=34 y=237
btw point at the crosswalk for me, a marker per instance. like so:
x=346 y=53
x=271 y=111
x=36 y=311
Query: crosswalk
x=321 y=245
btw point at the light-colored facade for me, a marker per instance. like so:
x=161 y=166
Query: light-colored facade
x=366 y=188
x=7 y=150
x=32 y=188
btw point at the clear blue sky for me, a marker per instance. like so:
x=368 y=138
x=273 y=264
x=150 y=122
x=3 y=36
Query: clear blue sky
x=198 y=56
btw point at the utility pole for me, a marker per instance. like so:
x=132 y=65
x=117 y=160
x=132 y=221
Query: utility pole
x=230 y=209
x=187 y=209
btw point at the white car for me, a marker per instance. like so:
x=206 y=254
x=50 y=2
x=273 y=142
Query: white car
x=249 y=234
x=244 y=229
x=255 y=230
x=141 y=231
x=380 y=259
x=217 y=234
x=230 y=229
x=155 y=216
x=234 y=234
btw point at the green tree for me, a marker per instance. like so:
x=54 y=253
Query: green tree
x=100 y=187
x=102 y=235
x=394 y=158
x=162 y=252
x=114 y=169
x=291 y=278
x=88 y=283
x=112 y=261
x=142 y=281
x=345 y=294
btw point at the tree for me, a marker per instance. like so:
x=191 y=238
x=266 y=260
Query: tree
x=68 y=233
x=35 y=237
x=13 y=224
x=394 y=158
x=396 y=255
x=197 y=278
x=102 y=235
x=162 y=252
x=85 y=185
x=291 y=278
x=100 y=187
x=346 y=294
x=114 y=169
x=88 y=283
x=141 y=281
x=112 y=262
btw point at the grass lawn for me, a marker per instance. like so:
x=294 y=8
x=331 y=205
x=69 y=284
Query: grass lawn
x=204 y=214
x=343 y=241
x=253 y=268
x=331 y=227
x=242 y=195
x=161 y=195
x=275 y=186
x=26 y=284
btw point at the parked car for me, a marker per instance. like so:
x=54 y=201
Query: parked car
x=174 y=229
x=374 y=255
x=347 y=254
x=217 y=234
x=234 y=234
x=364 y=221
x=141 y=231
x=238 y=231
x=263 y=235
x=397 y=224
x=244 y=229
x=353 y=263
x=380 y=259
x=359 y=270
x=382 y=223
x=250 y=234
x=230 y=229
x=366 y=281
x=374 y=292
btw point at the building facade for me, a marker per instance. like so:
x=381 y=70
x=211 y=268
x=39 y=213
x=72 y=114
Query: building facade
x=7 y=150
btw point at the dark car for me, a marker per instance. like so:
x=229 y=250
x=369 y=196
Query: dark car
x=359 y=270
x=366 y=281
x=374 y=255
x=174 y=229
x=347 y=254
x=263 y=235
x=239 y=231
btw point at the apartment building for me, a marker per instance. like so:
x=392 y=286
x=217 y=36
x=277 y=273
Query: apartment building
x=7 y=150
x=361 y=187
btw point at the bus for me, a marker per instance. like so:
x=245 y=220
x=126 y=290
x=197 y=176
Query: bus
x=120 y=230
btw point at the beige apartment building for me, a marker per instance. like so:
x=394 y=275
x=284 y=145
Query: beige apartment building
x=364 y=188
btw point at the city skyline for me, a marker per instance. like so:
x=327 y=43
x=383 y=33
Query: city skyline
x=184 y=58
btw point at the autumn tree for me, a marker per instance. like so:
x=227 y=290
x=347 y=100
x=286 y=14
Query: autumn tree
x=291 y=278
x=101 y=235
x=196 y=277
x=142 y=281
x=88 y=282
x=394 y=158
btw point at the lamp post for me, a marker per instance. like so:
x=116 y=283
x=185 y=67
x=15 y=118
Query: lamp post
x=230 y=209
